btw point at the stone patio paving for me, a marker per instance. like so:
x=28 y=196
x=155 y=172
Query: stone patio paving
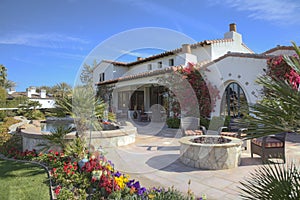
x=153 y=159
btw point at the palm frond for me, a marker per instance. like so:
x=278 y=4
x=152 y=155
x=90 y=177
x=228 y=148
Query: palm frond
x=270 y=182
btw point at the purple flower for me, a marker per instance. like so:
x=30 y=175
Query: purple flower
x=118 y=174
x=156 y=189
x=141 y=191
x=137 y=185
x=130 y=183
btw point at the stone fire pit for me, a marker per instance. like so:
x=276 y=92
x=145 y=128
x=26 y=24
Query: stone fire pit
x=210 y=152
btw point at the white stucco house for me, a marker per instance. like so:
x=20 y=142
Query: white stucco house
x=232 y=68
x=45 y=100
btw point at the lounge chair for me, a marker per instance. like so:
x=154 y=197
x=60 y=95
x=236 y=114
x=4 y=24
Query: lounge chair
x=269 y=147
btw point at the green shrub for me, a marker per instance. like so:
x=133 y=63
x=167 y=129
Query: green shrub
x=34 y=115
x=173 y=122
x=204 y=122
x=2 y=115
x=272 y=182
x=4 y=135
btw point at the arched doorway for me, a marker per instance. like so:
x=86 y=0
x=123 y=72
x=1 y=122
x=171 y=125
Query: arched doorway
x=234 y=102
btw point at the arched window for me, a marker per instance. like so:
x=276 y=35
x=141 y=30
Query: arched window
x=234 y=102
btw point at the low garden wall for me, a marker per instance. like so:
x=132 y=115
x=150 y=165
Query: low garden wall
x=32 y=137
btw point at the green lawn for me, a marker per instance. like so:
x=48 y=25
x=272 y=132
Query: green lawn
x=23 y=181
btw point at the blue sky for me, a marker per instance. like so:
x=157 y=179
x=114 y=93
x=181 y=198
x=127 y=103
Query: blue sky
x=45 y=42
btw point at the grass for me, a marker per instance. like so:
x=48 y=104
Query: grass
x=23 y=181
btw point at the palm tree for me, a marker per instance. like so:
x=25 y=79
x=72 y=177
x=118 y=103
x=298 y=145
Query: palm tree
x=279 y=110
x=3 y=75
x=62 y=90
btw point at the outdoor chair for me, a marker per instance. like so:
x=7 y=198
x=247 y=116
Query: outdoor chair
x=269 y=147
x=239 y=134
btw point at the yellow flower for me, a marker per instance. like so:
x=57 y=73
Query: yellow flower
x=109 y=167
x=151 y=196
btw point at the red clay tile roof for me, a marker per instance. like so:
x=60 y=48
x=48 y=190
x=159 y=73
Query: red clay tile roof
x=136 y=76
x=209 y=42
x=115 y=62
x=171 y=52
x=278 y=48
x=200 y=65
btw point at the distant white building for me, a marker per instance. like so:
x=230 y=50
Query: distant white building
x=232 y=67
x=45 y=100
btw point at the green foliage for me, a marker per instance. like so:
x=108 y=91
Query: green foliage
x=279 y=110
x=204 y=121
x=62 y=90
x=76 y=148
x=29 y=110
x=57 y=137
x=14 y=103
x=86 y=75
x=2 y=97
x=272 y=182
x=2 y=115
x=3 y=78
x=4 y=135
x=170 y=193
x=3 y=75
x=100 y=108
x=34 y=115
x=173 y=122
x=63 y=107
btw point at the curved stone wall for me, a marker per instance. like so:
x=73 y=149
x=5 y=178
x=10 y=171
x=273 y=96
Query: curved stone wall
x=210 y=156
x=32 y=137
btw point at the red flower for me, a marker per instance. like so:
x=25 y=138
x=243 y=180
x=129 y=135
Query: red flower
x=57 y=190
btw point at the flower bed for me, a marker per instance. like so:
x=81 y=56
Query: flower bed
x=93 y=178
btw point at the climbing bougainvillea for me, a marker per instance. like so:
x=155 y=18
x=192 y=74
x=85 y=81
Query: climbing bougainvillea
x=279 y=69
x=195 y=94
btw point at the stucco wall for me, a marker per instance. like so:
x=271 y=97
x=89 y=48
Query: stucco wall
x=241 y=70
x=46 y=103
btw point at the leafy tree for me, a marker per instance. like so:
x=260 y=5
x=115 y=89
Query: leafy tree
x=49 y=89
x=279 y=110
x=29 y=110
x=86 y=75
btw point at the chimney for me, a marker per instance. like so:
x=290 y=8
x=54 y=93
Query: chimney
x=29 y=92
x=139 y=58
x=186 y=48
x=232 y=27
x=43 y=94
x=232 y=34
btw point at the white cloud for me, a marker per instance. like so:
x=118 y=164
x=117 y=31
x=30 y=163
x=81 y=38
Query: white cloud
x=47 y=40
x=276 y=11
x=135 y=54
